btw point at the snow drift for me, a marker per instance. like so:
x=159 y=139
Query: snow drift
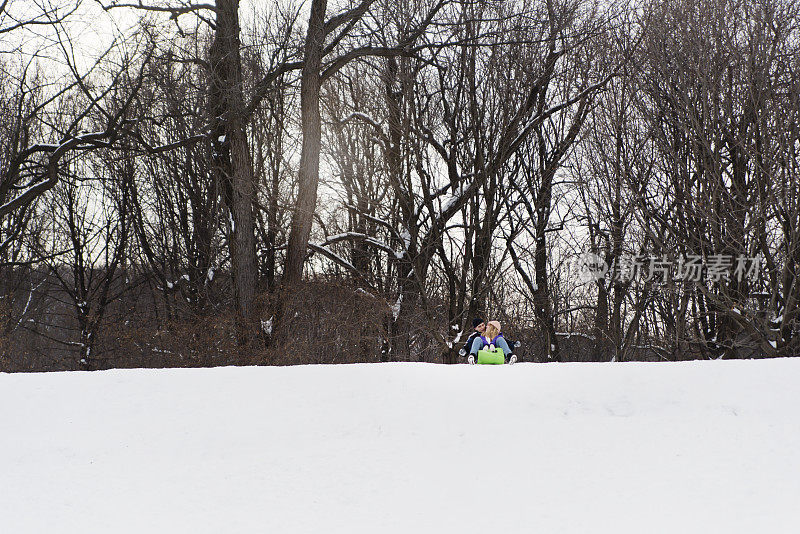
x=576 y=448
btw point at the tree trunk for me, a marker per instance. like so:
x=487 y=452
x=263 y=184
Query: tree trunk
x=232 y=164
x=601 y=330
x=308 y=174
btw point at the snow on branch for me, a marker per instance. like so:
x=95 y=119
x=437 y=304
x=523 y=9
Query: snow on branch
x=403 y=238
x=55 y=153
x=335 y=257
x=83 y=141
x=568 y=335
x=546 y=114
x=174 y=11
x=152 y=150
x=366 y=118
x=347 y=17
x=356 y=236
x=457 y=201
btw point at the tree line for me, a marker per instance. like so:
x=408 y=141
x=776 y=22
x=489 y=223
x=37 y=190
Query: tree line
x=226 y=183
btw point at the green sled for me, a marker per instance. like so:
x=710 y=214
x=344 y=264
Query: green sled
x=492 y=357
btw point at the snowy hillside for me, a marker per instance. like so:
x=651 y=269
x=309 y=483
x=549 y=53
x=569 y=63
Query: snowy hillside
x=402 y=448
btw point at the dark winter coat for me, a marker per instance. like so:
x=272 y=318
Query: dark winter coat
x=470 y=339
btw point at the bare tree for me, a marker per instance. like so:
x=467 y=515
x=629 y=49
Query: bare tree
x=711 y=88
x=88 y=244
x=322 y=39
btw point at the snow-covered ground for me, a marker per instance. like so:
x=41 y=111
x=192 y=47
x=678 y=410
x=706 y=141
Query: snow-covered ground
x=403 y=448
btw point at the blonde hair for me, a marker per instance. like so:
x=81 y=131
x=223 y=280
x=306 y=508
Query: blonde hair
x=491 y=331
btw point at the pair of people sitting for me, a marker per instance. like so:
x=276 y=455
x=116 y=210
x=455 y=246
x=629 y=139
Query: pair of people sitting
x=487 y=335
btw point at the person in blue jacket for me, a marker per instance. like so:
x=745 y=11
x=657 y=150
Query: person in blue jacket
x=492 y=337
x=478 y=326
